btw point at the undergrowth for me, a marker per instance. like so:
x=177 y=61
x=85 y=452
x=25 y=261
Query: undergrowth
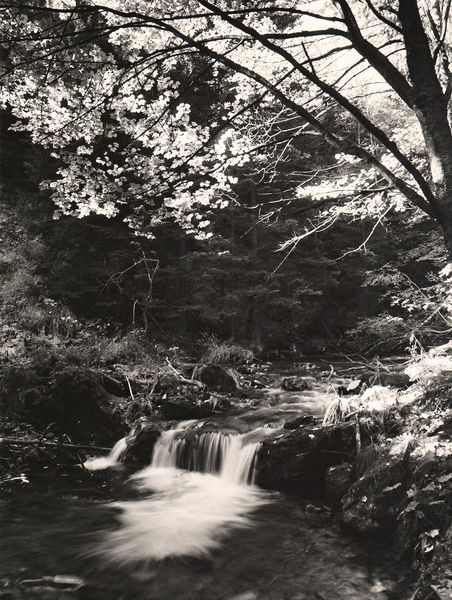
x=227 y=353
x=376 y=401
x=426 y=365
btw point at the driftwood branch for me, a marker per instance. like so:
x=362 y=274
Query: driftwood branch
x=130 y=390
x=183 y=379
x=40 y=442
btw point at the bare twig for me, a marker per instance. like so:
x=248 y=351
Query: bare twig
x=183 y=379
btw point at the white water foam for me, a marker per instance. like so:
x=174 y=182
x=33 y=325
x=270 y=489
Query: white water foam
x=188 y=515
x=107 y=462
x=189 y=512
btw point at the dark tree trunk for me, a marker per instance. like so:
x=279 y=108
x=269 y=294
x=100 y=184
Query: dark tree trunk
x=430 y=104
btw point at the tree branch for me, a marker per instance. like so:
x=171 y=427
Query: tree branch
x=378 y=133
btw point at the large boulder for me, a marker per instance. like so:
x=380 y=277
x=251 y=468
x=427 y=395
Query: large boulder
x=300 y=422
x=80 y=403
x=217 y=379
x=298 y=460
x=387 y=379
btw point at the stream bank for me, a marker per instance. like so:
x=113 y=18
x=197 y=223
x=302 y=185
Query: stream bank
x=381 y=462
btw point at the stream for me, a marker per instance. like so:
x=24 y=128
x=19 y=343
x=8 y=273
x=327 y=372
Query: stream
x=190 y=526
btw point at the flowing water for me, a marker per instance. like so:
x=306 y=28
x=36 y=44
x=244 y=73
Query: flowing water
x=190 y=526
x=100 y=463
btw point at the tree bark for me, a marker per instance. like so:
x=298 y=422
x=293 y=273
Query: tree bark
x=430 y=104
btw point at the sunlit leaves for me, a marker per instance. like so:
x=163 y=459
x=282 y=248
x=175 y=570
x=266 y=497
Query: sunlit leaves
x=112 y=90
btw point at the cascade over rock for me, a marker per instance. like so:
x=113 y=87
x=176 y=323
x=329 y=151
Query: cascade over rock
x=231 y=456
x=140 y=443
x=105 y=462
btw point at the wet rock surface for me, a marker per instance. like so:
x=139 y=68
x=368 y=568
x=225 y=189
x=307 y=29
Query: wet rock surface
x=300 y=422
x=298 y=460
x=295 y=384
x=140 y=443
x=387 y=379
x=193 y=404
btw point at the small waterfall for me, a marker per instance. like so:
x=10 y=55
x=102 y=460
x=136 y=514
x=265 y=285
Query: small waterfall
x=239 y=461
x=231 y=456
x=105 y=462
x=198 y=479
x=165 y=449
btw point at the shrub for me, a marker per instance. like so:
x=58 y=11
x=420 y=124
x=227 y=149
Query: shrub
x=33 y=318
x=21 y=284
x=376 y=401
x=132 y=347
x=382 y=333
x=339 y=409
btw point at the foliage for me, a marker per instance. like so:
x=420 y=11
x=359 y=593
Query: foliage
x=376 y=401
x=224 y=353
x=231 y=286
x=117 y=92
x=338 y=410
x=145 y=131
x=380 y=334
x=425 y=366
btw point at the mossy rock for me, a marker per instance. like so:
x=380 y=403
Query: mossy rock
x=216 y=378
x=80 y=403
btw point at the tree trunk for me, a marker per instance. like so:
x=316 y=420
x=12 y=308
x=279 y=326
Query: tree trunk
x=430 y=104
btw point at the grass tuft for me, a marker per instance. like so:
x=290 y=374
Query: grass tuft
x=224 y=353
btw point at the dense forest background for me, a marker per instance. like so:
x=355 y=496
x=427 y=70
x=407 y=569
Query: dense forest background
x=358 y=286
x=277 y=177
